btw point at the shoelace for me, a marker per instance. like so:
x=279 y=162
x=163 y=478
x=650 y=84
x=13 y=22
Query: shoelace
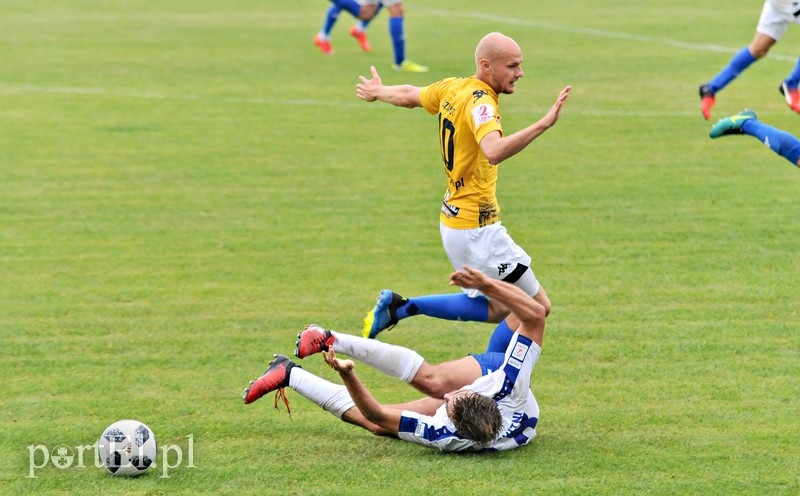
x=280 y=393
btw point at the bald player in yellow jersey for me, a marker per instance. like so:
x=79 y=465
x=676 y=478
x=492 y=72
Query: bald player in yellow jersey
x=472 y=147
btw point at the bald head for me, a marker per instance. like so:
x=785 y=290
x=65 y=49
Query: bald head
x=493 y=46
x=498 y=61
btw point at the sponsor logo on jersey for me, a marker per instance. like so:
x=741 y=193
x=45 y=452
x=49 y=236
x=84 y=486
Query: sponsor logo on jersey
x=478 y=94
x=449 y=210
x=482 y=114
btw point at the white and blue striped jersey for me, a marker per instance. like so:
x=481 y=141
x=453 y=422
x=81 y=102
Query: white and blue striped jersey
x=509 y=387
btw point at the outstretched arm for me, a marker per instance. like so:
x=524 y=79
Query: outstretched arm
x=498 y=148
x=385 y=417
x=530 y=312
x=403 y=95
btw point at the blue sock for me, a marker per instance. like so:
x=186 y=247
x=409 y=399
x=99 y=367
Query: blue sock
x=738 y=63
x=500 y=338
x=780 y=142
x=349 y=5
x=398 y=40
x=330 y=19
x=794 y=77
x=457 y=306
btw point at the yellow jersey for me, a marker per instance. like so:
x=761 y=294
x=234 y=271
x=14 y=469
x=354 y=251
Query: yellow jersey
x=468 y=111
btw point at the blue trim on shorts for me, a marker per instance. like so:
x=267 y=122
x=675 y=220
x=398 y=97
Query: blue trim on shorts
x=489 y=361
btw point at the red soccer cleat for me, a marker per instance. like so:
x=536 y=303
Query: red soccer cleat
x=707 y=100
x=313 y=339
x=792 y=97
x=361 y=37
x=275 y=378
x=324 y=45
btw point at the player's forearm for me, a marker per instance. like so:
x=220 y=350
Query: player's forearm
x=403 y=95
x=366 y=403
x=510 y=145
x=514 y=298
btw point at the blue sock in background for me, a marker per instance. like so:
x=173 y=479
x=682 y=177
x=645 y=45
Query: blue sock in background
x=780 y=142
x=330 y=19
x=456 y=306
x=500 y=338
x=738 y=63
x=398 y=41
x=794 y=77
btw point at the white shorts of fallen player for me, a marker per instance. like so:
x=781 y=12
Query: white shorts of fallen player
x=491 y=250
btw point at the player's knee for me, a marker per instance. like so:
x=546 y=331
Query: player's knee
x=367 y=12
x=547 y=307
x=496 y=312
x=760 y=46
x=433 y=387
x=759 y=51
x=542 y=299
x=541 y=311
x=396 y=10
x=430 y=383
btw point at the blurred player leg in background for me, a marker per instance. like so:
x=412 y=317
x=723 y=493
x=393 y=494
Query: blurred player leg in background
x=775 y=19
x=365 y=11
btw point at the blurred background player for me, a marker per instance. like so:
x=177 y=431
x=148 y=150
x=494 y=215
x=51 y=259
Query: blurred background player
x=746 y=122
x=473 y=145
x=365 y=11
x=776 y=16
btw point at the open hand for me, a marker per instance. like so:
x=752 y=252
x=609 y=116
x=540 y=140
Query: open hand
x=552 y=115
x=337 y=364
x=367 y=90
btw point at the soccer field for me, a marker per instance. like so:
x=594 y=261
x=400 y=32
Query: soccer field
x=185 y=185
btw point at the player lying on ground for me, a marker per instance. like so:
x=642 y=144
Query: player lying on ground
x=474 y=403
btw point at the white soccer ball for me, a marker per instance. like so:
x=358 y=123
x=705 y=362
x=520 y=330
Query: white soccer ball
x=127 y=447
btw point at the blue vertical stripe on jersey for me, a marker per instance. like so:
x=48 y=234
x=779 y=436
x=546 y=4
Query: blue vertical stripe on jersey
x=511 y=371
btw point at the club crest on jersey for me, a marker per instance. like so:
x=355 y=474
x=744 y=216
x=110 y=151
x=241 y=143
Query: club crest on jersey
x=520 y=350
x=483 y=114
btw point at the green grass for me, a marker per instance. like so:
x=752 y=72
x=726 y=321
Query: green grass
x=185 y=185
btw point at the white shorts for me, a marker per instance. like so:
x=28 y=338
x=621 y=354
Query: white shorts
x=492 y=251
x=776 y=16
x=386 y=3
